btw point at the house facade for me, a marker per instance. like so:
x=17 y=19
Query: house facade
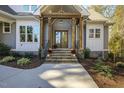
x=26 y=28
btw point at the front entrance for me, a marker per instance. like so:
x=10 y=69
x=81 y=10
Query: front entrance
x=61 y=39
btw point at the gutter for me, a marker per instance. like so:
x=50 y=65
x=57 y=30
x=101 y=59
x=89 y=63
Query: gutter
x=17 y=16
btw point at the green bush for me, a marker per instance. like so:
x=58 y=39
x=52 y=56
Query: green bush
x=23 y=61
x=103 y=69
x=110 y=55
x=4 y=49
x=80 y=54
x=120 y=64
x=7 y=59
x=28 y=55
x=86 y=53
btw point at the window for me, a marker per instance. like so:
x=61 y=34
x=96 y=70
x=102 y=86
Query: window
x=33 y=7
x=36 y=33
x=29 y=33
x=6 y=27
x=94 y=33
x=97 y=34
x=22 y=33
x=26 y=7
x=29 y=8
x=91 y=33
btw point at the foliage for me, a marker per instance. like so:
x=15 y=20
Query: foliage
x=4 y=49
x=103 y=69
x=7 y=59
x=105 y=10
x=23 y=61
x=28 y=55
x=86 y=53
x=80 y=54
x=120 y=64
x=110 y=55
x=114 y=43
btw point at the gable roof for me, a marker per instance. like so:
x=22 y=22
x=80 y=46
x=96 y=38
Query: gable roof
x=95 y=16
x=7 y=9
x=79 y=8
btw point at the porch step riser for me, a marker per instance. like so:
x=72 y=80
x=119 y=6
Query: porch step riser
x=61 y=61
x=60 y=54
x=61 y=51
x=60 y=57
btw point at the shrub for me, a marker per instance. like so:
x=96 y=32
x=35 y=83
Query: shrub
x=120 y=64
x=28 y=55
x=110 y=55
x=23 y=61
x=80 y=54
x=98 y=64
x=4 y=49
x=7 y=59
x=86 y=53
x=103 y=69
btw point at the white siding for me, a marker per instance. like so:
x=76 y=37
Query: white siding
x=95 y=44
x=26 y=46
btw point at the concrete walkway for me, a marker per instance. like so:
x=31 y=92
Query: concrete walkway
x=66 y=75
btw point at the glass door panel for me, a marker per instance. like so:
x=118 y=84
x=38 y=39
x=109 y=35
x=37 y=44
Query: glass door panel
x=61 y=39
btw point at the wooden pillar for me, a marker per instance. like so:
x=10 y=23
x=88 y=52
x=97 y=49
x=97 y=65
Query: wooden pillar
x=41 y=33
x=81 y=33
x=73 y=33
x=49 y=32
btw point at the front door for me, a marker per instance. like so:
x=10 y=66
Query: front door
x=61 y=39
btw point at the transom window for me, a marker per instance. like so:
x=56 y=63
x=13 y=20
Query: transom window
x=94 y=33
x=6 y=27
x=26 y=7
x=29 y=8
x=28 y=34
x=33 y=7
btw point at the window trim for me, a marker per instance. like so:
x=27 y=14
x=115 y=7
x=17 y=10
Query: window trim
x=5 y=26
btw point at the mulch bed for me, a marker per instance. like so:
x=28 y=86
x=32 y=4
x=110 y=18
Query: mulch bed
x=102 y=81
x=35 y=62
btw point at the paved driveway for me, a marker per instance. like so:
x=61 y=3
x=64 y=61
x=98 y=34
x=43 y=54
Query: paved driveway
x=46 y=76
